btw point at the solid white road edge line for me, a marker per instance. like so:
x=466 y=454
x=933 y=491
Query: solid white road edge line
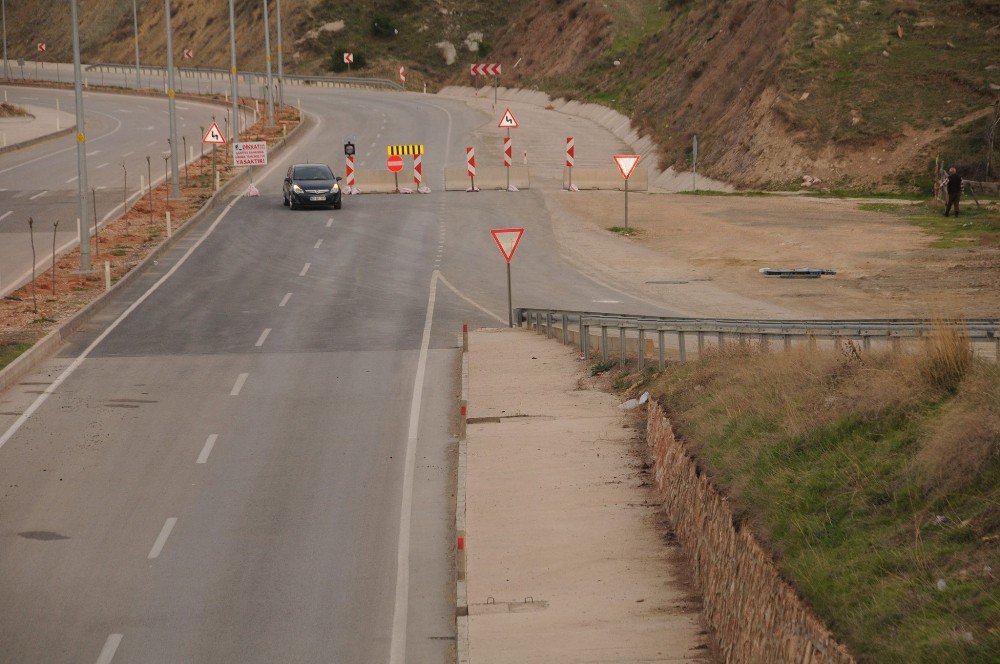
x=397 y=651
x=109 y=649
x=39 y=194
x=263 y=337
x=285 y=299
x=238 y=385
x=207 y=449
x=68 y=371
x=161 y=539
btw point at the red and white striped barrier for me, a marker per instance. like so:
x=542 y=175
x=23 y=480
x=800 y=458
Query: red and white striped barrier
x=508 y=152
x=350 y=185
x=570 y=159
x=470 y=162
x=418 y=174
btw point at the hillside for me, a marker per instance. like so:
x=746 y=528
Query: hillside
x=857 y=93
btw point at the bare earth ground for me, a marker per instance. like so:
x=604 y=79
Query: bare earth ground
x=559 y=510
x=709 y=250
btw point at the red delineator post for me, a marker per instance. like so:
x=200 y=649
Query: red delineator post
x=349 y=170
x=418 y=171
x=470 y=161
x=570 y=158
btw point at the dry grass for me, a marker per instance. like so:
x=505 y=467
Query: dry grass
x=870 y=476
x=12 y=111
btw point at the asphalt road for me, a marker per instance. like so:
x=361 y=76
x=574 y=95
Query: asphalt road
x=41 y=181
x=249 y=456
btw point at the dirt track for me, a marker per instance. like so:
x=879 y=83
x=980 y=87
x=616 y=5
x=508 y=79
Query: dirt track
x=705 y=253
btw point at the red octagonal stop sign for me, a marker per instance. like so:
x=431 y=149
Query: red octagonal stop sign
x=394 y=163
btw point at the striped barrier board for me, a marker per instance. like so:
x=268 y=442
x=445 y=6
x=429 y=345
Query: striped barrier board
x=400 y=150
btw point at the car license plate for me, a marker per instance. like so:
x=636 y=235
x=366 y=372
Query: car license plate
x=317 y=198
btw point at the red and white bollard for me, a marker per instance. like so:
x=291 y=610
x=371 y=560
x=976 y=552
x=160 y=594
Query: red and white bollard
x=418 y=174
x=470 y=162
x=570 y=159
x=508 y=159
x=349 y=179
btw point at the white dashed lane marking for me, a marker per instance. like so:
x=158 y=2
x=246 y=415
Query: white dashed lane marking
x=207 y=449
x=285 y=299
x=109 y=649
x=318 y=243
x=161 y=539
x=263 y=337
x=238 y=385
x=305 y=268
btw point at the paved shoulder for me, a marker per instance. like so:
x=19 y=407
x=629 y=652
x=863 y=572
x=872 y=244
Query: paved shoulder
x=566 y=559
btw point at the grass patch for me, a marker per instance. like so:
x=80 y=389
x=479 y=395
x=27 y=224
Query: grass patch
x=976 y=226
x=873 y=478
x=10 y=352
x=621 y=230
x=713 y=192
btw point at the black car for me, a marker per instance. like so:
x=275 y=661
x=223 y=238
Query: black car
x=311 y=184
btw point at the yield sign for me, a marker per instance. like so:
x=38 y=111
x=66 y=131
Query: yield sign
x=626 y=163
x=507 y=239
x=508 y=120
x=214 y=136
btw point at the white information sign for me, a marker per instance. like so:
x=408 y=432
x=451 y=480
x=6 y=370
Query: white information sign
x=250 y=154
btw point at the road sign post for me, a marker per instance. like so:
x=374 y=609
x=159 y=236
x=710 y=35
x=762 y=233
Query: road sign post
x=395 y=164
x=508 y=122
x=507 y=240
x=626 y=164
x=694 y=164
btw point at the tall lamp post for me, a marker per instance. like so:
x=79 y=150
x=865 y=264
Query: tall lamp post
x=281 y=67
x=81 y=148
x=135 y=27
x=270 y=82
x=175 y=189
x=235 y=125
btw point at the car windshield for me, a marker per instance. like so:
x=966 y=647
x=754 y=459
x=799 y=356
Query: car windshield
x=313 y=173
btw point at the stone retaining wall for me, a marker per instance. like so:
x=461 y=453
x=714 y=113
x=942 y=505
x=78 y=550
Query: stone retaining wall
x=755 y=614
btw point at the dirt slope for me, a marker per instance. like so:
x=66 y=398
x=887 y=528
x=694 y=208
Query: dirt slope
x=857 y=93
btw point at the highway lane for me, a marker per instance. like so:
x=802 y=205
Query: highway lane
x=40 y=181
x=283 y=354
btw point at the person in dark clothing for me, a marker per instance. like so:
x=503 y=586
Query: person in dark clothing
x=954 y=190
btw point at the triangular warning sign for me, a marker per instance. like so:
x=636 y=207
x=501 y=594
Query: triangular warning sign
x=507 y=239
x=508 y=120
x=626 y=163
x=214 y=136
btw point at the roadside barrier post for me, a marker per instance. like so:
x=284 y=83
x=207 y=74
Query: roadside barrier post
x=465 y=337
x=570 y=159
x=507 y=157
x=470 y=162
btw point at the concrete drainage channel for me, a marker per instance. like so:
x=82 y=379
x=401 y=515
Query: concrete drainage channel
x=50 y=343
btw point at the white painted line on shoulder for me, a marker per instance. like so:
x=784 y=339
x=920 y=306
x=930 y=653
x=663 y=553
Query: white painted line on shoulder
x=128 y=153
x=329 y=222
x=72 y=179
x=151 y=144
x=39 y=194
x=102 y=165
x=207 y=449
x=6 y=214
x=238 y=385
x=318 y=243
x=285 y=299
x=161 y=539
x=99 y=188
x=397 y=648
x=305 y=268
x=470 y=300
x=263 y=337
x=109 y=649
x=93 y=152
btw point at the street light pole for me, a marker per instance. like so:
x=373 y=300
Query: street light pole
x=281 y=67
x=175 y=189
x=270 y=82
x=6 y=65
x=135 y=27
x=235 y=125
x=81 y=148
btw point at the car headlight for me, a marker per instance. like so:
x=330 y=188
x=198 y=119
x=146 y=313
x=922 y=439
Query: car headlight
x=297 y=189
x=335 y=188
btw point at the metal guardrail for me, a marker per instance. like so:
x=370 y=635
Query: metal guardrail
x=982 y=333
x=198 y=72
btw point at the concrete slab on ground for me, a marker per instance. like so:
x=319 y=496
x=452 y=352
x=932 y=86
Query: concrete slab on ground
x=566 y=555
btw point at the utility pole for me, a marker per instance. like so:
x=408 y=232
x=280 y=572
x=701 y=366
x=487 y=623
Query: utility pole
x=135 y=27
x=81 y=148
x=269 y=97
x=175 y=189
x=235 y=125
x=281 y=61
x=6 y=65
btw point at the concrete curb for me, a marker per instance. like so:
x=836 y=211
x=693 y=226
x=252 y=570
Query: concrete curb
x=461 y=595
x=38 y=139
x=47 y=345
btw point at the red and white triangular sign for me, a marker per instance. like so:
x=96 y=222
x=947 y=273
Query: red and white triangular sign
x=507 y=239
x=626 y=163
x=214 y=136
x=508 y=120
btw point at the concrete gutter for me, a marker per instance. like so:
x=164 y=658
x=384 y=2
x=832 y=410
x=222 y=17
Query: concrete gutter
x=50 y=343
